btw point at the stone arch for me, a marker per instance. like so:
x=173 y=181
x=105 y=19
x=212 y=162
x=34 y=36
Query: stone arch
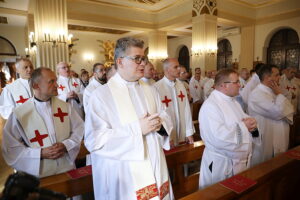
x=6 y=47
x=184 y=56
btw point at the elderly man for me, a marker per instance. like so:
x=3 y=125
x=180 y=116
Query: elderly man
x=225 y=130
x=273 y=112
x=174 y=96
x=124 y=132
x=99 y=78
x=149 y=74
x=42 y=137
x=196 y=87
x=19 y=91
x=289 y=86
x=70 y=88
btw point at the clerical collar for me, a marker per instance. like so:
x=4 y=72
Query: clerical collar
x=169 y=82
x=224 y=96
x=122 y=80
x=41 y=100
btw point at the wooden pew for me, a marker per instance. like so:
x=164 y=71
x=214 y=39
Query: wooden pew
x=175 y=159
x=278 y=178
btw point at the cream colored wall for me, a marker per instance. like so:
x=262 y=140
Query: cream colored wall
x=264 y=32
x=235 y=41
x=16 y=35
x=175 y=44
x=87 y=43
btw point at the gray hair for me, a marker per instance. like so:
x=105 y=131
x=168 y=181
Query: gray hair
x=18 y=63
x=123 y=44
x=58 y=64
x=37 y=74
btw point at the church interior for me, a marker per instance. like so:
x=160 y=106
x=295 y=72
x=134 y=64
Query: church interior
x=210 y=34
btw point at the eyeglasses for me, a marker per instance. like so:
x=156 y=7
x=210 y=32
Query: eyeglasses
x=233 y=82
x=137 y=59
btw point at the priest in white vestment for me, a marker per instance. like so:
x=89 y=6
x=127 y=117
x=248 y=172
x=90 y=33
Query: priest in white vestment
x=225 y=130
x=289 y=86
x=98 y=79
x=70 y=88
x=209 y=85
x=273 y=112
x=19 y=91
x=174 y=96
x=148 y=74
x=196 y=87
x=43 y=136
x=252 y=83
x=183 y=77
x=126 y=131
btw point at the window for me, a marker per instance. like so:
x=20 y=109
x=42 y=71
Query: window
x=184 y=57
x=224 y=55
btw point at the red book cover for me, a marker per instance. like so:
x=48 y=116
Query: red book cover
x=293 y=154
x=80 y=172
x=238 y=183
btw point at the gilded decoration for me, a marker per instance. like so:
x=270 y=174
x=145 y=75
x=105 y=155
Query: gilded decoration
x=108 y=50
x=211 y=4
x=204 y=7
x=197 y=5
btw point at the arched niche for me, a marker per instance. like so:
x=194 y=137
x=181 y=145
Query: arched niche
x=184 y=57
x=224 y=55
x=6 y=47
x=284 y=49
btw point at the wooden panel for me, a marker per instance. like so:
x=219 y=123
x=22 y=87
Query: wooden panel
x=278 y=178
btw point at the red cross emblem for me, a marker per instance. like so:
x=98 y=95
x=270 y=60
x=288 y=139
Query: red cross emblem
x=22 y=99
x=288 y=88
x=61 y=87
x=213 y=87
x=38 y=138
x=293 y=88
x=60 y=114
x=75 y=84
x=166 y=101
x=181 y=96
x=196 y=86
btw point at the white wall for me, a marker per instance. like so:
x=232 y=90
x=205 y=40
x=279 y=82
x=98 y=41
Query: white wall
x=16 y=35
x=235 y=41
x=264 y=32
x=87 y=43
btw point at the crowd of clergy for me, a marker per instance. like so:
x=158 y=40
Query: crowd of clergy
x=128 y=114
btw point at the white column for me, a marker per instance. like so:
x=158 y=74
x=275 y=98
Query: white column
x=158 y=48
x=204 y=35
x=51 y=30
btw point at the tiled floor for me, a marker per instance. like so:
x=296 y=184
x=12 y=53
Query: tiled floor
x=4 y=169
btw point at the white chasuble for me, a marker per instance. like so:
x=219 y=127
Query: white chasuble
x=290 y=90
x=273 y=113
x=14 y=94
x=38 y=134
x=173 y=96
x=66 y=85
x=126 y=164
x=228 y=143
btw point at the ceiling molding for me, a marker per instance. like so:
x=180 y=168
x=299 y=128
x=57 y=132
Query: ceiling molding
x=278 y=17
x=13 y=11
x=96 y=29
x=256 y=5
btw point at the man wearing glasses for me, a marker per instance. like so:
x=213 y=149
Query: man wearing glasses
x=225 y=130
x=124 y=132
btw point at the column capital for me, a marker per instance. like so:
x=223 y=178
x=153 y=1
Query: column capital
x=201 y=7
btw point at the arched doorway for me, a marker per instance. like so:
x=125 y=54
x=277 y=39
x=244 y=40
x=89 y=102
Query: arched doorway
x=284 y=49
x=184 y=57
x=224 y=55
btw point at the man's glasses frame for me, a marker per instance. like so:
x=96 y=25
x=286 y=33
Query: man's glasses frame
x=233 y=82
x=137 y=59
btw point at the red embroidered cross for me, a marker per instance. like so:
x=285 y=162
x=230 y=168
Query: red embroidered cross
x=60 y=114
x=196 y=86
x=75 y=84
x=61 y=87
x=181 y=96
x=166 y=101
x=39 y=138
x=22 y=99
x=288 y=88
x=293 y=88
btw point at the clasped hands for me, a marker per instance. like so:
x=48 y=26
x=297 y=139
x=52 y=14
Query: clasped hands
x=250 y=123
x=150 y=123
x=55 y=151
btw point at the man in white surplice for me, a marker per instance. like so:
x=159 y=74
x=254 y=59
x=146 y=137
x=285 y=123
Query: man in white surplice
x=225 y=130
x=273 y=112
x=19 y=91
x=148 y=74
x=70 y=88
x=196 y=87
x=124 y=132
x=42 y=137
x=99 y=78
x=209 y=85
x=174 y=96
